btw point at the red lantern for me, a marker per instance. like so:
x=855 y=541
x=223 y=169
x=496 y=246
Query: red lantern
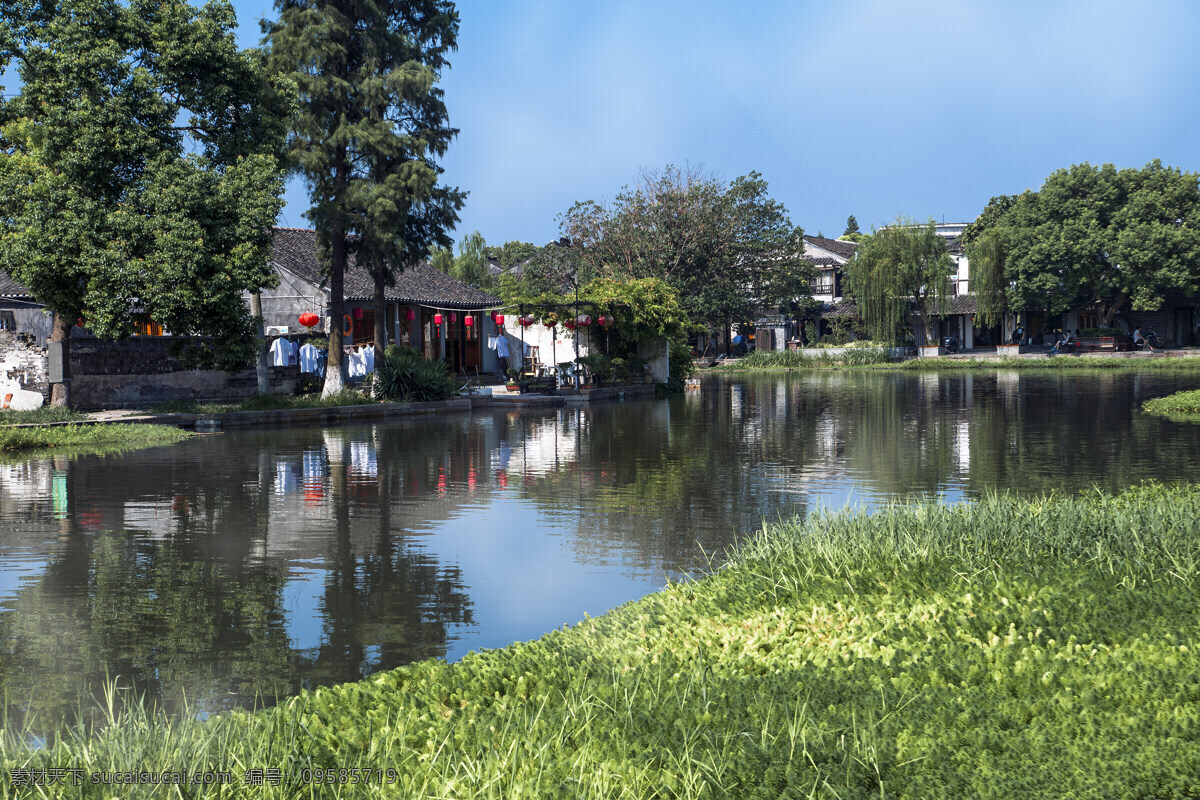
x=584 y=320
x=453 y=317
x=309 y=319
x=524 y=320
x=570 y=324
x=411 y=315
x=358 y=313
x=498 y=319
x=469 y=319
x=437 y=318
x=605 y=320
x=550 y=323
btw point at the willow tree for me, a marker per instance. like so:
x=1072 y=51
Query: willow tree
x=901 y=269
x=139 y=171
x=986 y=275
x=371 y=124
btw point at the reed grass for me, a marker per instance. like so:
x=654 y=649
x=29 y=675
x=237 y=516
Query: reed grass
x=1002 y=648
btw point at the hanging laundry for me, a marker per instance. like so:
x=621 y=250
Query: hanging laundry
x=281 y=351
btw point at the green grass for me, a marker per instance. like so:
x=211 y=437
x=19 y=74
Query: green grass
x=878 y=359
x=1181 y=363
x=265 y=402
x=791 y=359
x=96 y=438
x=1003 y=648
x=41 y=416
x=1184 y=405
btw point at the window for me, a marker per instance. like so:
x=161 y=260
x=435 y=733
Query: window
x=144 y=326
x=8 y=321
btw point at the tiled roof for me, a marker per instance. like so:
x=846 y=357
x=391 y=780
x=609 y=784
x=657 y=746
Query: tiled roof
x=295 y=249
x=962 y=304
x=824 y=261
x=835 y=246
x=840 y=310
x=10 y=288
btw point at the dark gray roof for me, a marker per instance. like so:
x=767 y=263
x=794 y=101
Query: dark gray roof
x=962 y=304
x=10 y=288
x=295 y=249
x=835 y=246
x=839 y=310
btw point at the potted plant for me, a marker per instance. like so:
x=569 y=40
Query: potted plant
x=512 y=374
x=620 y=369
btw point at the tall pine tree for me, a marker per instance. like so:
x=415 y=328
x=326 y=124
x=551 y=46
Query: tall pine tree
x=371 y=127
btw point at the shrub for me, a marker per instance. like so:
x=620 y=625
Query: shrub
x=405 y=376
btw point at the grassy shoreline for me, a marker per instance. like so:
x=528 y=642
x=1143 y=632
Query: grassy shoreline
x=27 y=442
x=874 y=359
x=1007 y=648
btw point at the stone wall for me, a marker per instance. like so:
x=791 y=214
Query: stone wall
x=140 y=372
x=23 y=363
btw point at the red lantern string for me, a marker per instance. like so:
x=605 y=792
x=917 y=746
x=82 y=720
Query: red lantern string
x=309 y=319
x=437 y=318
x=469 y=319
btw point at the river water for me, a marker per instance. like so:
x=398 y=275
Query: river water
x=238 y=568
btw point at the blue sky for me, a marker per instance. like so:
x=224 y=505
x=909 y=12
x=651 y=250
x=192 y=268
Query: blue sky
x=876 y=109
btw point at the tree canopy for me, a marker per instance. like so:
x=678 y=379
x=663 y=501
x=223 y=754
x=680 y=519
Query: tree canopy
x=139 y=170
x=902 y=268
x=371 y=127
x=1092 y=237
x=729 y=250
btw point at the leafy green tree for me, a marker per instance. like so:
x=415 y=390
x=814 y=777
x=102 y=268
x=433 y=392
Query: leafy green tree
x=139 y=170
x=471 y=264
x=726 y=249
x=1094 y=237
x=372 y=123
x=901 y=268
x=512 y=252
x=442 y=259
x=851 y=226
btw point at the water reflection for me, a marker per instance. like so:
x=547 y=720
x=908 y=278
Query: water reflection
x=249 y=565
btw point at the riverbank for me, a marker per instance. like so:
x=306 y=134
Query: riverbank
x=876 y=359
x=998 y=648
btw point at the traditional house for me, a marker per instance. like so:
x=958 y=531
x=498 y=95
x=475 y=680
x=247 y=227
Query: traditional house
x=413 y=305
x=21 y=313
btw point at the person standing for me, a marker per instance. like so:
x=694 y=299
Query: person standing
x=502 y=351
